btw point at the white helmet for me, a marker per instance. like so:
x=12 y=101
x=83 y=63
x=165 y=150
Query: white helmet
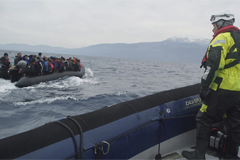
x=225 y=15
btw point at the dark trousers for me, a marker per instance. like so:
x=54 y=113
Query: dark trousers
x=218 y=103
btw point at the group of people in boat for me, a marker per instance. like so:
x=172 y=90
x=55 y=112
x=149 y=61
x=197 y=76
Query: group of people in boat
x=33 y=65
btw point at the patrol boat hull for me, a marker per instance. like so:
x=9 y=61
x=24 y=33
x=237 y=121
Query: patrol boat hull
x=128 y=130
x=28 y=81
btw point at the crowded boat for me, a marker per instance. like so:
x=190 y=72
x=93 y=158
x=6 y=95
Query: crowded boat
x=30 y=66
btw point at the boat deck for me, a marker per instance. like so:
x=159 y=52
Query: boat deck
x=211 y=154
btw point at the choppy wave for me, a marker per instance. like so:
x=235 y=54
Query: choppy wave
x=107 y=81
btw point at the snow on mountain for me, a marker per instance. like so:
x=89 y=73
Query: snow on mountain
x=204 y=41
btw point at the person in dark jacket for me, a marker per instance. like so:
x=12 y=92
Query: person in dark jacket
x=17 y=74
x=66 y=64
x=17 y=58
x=78 y=65
x=70 y=65
x=5 y=65
x=31 y=68
x=39 y=66
x=60 y=66
x=30 y=57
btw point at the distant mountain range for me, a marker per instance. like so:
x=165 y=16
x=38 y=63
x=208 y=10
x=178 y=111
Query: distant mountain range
x=171 y=50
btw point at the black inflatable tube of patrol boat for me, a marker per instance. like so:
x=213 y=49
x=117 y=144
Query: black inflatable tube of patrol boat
x=53 y=133
x=28 y=81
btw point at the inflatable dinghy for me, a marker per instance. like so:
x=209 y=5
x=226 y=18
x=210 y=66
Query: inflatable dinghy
x=28 y=81
x=128 y=130
x=1 y=74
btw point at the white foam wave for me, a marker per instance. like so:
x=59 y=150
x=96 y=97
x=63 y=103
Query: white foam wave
x=46 y=100
x=60 y=89
x=66 y=83
x=88 y=72
x=6 y=86
x=119 y=93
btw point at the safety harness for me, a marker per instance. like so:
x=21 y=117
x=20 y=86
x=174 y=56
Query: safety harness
x=236 y=37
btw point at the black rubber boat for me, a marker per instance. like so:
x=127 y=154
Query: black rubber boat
x=28 y=81
x=1 y=74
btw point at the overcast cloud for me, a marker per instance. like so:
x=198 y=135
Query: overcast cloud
x=81 y=23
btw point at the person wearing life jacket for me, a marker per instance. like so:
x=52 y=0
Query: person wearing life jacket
x=5 y=65
x=220 y=85
x=74 y=64
x=50 y=66
x=54 y=63
x=78 y=65
x=16 y=60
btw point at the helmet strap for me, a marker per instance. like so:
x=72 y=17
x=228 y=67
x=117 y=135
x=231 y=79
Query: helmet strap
x=219 y=27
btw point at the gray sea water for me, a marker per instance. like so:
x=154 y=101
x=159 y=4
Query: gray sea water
x=107 y=81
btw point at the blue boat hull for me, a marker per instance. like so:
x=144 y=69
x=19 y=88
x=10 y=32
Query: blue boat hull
x=127 y=130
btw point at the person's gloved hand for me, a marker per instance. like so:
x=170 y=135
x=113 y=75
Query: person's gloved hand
x=203 y=93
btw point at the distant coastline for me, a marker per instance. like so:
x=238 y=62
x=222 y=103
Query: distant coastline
x=171 y=50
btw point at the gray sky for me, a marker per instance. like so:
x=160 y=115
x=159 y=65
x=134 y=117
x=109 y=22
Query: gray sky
x=81 y=23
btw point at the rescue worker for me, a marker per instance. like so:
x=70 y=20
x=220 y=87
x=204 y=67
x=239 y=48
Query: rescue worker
x=220 y=85
x=5 y=64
